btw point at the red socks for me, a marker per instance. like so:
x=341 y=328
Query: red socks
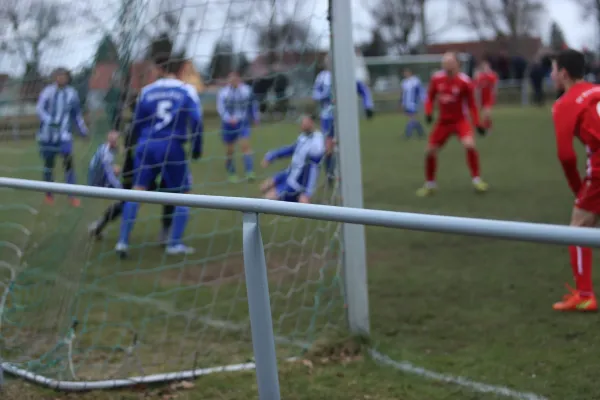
x=473 y=162
x=581 y=263
x=487 y=123
x=430 y=167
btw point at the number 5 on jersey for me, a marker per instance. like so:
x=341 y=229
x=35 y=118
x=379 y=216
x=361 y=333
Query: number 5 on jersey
x=164 y=114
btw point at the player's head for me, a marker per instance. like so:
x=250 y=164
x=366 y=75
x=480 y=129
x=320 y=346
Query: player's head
x=112 y=138
x=167 y=67
x=484 y=65
x=407 y=72
x=450 y=63
x=61 y=76
x=307 y=123
x=568 y=66
x=234 y=78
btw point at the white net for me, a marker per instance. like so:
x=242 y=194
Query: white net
x=70 y=308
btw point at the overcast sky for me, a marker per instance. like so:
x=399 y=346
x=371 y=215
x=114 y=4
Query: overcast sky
x=80 y=44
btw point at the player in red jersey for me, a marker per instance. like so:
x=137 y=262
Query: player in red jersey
x=577 y=114
x=453 y=91
x=486 y=82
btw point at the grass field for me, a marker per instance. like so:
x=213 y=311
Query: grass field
x=461 y=306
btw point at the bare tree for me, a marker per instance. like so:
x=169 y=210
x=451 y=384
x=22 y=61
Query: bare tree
x=396 y=20
x=278 y=25
x=510 y=19
x=591 y=9
x=30 y=31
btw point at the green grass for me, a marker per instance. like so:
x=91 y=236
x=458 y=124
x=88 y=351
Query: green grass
x=463 y=306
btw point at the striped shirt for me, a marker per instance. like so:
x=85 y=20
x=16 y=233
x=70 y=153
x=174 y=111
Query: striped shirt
x=101 y=169
x=412 y=94
x=323 y=94
x=56 y=108
x=237 y=103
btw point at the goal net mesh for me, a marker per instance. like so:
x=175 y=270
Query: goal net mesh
x=70 y=309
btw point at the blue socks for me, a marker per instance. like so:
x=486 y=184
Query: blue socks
x=70 y=177
x=248 y=163
x=127 y=221
x=230 y=166
x=330 y=165
x=180 y=220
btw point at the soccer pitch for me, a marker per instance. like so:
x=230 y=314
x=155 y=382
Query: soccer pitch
x=460 y=306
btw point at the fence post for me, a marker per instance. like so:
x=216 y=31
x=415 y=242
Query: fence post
x=347 y=131
x=259 y=304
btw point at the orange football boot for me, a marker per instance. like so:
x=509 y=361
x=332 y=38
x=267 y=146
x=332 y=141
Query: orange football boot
x=74 y=201
x=49 y=199
x=574 y=301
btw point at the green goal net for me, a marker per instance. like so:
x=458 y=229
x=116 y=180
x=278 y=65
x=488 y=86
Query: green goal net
x=70 y=309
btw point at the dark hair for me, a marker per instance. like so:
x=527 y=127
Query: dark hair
x=63 y=71
x=166 y=64
x=572 y=61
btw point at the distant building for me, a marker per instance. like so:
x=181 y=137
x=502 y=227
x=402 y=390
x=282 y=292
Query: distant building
x=528 y=47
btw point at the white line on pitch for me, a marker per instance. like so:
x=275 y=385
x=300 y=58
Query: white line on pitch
x=409 y=368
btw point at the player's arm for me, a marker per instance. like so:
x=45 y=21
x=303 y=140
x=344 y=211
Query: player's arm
x=469 y=93
x=314 y=161
x=253 y=108
x=194 y=108
x=319 y=90
x=565 y=124
x=282 y=152
x=138 y=120
x=77 y=114
x=109 y=170
x=430 y=99
x=40 y=107
x=365 y=93
x=221 y=109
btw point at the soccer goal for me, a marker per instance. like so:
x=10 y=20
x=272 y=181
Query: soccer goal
x=75 y=316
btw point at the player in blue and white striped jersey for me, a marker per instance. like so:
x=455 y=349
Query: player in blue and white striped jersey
x=238 y=111
x=298 y=182
x=103 y=171
x=412 y=98
x=323 y=94
x=57 y=105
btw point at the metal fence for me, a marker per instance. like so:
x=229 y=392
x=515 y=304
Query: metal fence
x=256 y=269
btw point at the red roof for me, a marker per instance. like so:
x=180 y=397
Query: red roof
x=528 y=47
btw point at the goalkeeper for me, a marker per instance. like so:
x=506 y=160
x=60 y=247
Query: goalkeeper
x=115 y=210
x=296 y=183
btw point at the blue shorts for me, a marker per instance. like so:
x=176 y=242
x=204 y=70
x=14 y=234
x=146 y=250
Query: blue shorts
x=411 y=112
x=327 y=127
x=283 y=191
x=231 y=133
x=50 y=150
x=167 y=159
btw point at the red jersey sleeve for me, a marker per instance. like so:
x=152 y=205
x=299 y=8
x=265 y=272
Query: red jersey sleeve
x=431 y=94
x=469 y=94
x=565 y=124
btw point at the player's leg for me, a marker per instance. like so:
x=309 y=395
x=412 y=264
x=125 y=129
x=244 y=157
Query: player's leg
x=247 y=152
x=177 y=178
x=438 y=137
x=66 y=150
x=486 y=115
x=413 y=124
x=328 y=130
x=115 y=210
x=467 y=139
x=167 y=214
x=48 y=156
x=147 y=168
x=582 y=298
x=230 y=138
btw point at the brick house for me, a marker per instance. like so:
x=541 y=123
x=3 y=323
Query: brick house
x=528 y=47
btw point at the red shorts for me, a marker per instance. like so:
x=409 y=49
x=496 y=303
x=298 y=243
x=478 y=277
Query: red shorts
x=487 y=101
x=443 y=130
x=588 y=198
